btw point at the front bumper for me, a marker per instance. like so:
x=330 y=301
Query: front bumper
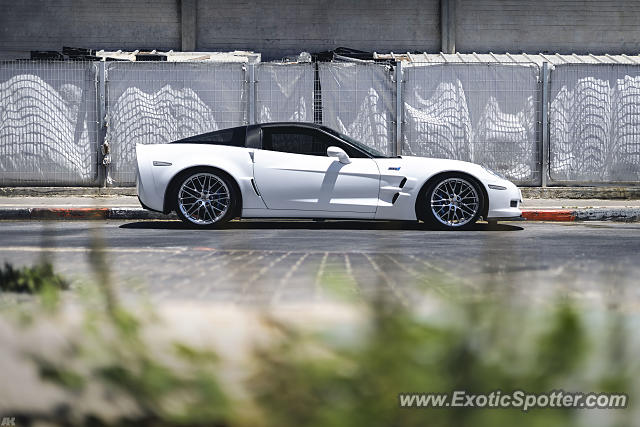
x=501 y=202
x=508 y=218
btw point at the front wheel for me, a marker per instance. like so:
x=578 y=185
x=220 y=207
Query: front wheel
x=453 y=202
x=205 y=198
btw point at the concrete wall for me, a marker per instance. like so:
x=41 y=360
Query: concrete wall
x=110 y=24
x=287 y=27
x=563 y=26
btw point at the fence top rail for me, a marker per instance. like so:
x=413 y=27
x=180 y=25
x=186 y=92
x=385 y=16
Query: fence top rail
x=495 y=65
x=510 y=58
x=171 y=65
x=599 y=64
x=42 y=62
x=36 y=62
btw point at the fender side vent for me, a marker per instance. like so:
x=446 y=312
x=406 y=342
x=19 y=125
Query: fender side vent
x=395 y=197
x=253 y=184
x=403 y=182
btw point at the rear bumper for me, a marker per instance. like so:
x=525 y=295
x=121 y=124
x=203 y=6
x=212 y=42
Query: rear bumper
x=145 y=182
x=147 y=207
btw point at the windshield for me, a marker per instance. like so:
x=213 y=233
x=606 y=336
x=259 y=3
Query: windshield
x=359 y=145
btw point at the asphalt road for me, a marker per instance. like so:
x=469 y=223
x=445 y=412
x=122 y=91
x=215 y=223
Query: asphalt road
x=271 y=262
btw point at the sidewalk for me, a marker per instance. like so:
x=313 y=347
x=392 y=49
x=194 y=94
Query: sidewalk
x=128 y=207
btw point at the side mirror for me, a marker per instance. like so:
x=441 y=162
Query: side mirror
x=339 y=153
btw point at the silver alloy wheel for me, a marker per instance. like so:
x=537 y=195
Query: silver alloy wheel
x=455 y=202
x=203 y=198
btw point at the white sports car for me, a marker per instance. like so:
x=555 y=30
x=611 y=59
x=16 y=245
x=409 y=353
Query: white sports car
x=301 y=170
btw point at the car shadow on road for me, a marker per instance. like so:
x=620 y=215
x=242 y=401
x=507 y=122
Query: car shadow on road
x=311 y=225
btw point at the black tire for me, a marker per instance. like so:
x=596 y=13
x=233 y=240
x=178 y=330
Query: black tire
x=205 y=197
x=453 y=211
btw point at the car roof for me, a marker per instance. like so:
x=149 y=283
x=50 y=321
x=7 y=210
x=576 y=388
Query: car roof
x=295 y=124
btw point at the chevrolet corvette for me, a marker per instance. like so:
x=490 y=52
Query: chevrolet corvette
x=302 y=170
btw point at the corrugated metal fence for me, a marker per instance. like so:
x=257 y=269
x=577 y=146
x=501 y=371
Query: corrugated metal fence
x=51 y=114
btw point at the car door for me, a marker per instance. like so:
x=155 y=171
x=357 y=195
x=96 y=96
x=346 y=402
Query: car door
x=292 y=171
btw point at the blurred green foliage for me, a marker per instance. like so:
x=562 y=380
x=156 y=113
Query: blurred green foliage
x=329 y=380
x=346 y=375
x=30 y=279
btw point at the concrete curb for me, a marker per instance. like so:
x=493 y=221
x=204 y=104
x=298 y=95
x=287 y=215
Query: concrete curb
x=562 y=215
x=549 y=215
x=608 y=214
x=585 y=214
x=80 y=214
x=66 y=191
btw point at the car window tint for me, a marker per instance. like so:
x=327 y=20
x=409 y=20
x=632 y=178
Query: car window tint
x=296 y=143
x=303 y=141
x=221 y=137
x=233 y=136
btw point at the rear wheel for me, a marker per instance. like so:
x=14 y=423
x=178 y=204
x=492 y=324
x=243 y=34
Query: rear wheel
x=205 y=198
x=453 y=202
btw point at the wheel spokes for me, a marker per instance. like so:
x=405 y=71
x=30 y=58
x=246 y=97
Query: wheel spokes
x=454 y=202
x=203 y=198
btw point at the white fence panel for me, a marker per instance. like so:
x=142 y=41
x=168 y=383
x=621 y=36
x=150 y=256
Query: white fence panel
x=483 y=113
x=48 y=123
x=158 y=102
x=359 y=101
x=595 y=123
x=284 y=92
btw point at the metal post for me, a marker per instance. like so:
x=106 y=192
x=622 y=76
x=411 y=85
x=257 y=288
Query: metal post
x=317 y=94
x=251 y=71
x=188 y=25
x=399 y=109
x=545 y=125
x=102 y=147
x=448 y=26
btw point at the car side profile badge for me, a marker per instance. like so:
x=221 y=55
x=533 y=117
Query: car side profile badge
x=397 y=168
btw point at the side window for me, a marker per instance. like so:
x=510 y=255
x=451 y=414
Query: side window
x=233 y=136
x=293 y=140
x=302 y=141
x=219 y=138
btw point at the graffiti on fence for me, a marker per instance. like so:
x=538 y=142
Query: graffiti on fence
x=359 y=100
x=284 y=93
x=440 y=124
x=154 y=103
x=457 y=111
x=506 y=142
x=160 y=117
x=484 y=113
x=595 y=124
x=47 y=134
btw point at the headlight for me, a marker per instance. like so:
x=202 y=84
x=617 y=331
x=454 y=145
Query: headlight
x=494 y=173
